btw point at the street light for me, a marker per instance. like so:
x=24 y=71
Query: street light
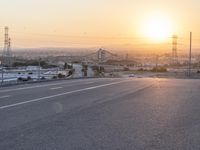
x=39 y=68
x=2 y=73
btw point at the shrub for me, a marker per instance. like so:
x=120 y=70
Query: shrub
x=61 y=76
x=54 y=77
x=159 y=69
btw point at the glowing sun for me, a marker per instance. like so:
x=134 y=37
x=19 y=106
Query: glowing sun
x=157 y=27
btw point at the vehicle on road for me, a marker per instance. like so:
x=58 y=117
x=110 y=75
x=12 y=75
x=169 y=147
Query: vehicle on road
x=131 y=75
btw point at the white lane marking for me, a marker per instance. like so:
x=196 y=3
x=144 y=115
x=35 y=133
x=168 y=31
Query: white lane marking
x=37 y=86
x=61 y=94
x=56 y=88
x=6 y=96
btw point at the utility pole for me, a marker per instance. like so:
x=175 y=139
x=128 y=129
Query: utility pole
x=174 y=50
x=39 y=68
x=2 y=74
x=190 y=55
x=157 y=58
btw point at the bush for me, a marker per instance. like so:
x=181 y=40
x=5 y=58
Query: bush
x=159 y=69
x=54 y=77
x=126 y=69
x=70 y=73
x=19 y=79
x=29 y=78
x=141 y=69
x=61 y=76
x=43 y=78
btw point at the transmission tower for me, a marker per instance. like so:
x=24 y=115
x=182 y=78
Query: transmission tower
x=174 y=50
x=7 y=54
x=101 y=55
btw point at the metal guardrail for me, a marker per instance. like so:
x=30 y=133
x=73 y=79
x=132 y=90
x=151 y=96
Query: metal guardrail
x=40 y=81
x=11 y=75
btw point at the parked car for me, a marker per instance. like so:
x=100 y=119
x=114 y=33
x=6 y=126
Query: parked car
x=28 y=78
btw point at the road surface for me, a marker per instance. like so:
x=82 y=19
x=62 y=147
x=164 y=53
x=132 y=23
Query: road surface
x=101 y=114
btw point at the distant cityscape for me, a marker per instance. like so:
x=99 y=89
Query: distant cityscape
x=51 y=63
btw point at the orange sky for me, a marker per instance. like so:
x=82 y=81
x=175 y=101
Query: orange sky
x=94 y=23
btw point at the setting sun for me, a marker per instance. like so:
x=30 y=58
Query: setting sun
x=157 y=27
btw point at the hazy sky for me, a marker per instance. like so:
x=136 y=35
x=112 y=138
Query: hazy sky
x=89 y=23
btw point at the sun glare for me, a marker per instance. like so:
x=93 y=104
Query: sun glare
x=157 y=27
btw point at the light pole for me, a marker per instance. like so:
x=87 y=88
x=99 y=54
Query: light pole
x=157 y=57
x=39 y=68
x=190 y=55
x=2 y=75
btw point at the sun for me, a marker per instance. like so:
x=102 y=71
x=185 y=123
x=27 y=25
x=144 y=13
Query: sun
x=157 y=27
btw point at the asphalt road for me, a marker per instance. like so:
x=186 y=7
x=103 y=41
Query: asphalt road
x=101 y=114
